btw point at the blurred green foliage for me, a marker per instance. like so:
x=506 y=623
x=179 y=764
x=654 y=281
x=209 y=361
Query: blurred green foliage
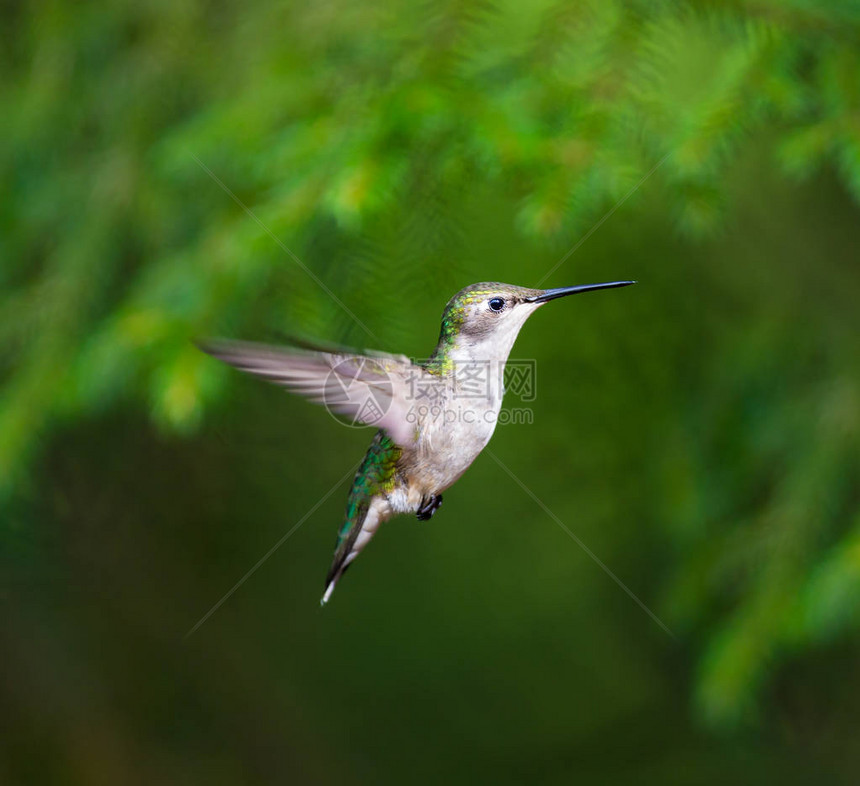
x=171 y=170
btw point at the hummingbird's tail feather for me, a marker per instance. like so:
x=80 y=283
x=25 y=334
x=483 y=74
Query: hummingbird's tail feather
x=366 y=508
x=360 y=528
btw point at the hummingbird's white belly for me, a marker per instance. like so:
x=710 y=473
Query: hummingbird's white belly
x=452 y=451
x=442 y=454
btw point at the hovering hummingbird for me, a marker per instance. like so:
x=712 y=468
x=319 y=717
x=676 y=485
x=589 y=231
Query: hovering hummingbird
x=434 y=417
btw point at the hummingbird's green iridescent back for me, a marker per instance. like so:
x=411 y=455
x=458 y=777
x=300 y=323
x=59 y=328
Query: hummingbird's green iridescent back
x=374 y=476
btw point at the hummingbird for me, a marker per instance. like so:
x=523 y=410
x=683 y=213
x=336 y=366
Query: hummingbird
x=433 y=417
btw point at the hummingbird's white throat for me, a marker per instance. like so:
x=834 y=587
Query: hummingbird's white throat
x=478 y=358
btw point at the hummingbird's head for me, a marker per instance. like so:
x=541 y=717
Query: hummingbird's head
x=485 y=318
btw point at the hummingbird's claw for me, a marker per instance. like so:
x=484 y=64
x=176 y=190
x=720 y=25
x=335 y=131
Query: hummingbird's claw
x=428 y=507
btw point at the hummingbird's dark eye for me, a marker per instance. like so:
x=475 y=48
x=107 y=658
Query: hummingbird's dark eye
x=496 y=303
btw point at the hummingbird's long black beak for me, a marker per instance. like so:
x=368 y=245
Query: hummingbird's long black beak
x=552 y=294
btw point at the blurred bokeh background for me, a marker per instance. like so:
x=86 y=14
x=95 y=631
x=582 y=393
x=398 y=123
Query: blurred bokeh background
x=173 y=169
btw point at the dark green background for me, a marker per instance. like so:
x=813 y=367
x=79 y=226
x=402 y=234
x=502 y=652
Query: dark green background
x=699 y=431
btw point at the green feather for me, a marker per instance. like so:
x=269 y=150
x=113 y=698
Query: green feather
x=452 y=320
x=374 y=476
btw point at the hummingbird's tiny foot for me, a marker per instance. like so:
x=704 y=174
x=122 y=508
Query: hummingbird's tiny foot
x=428 y=507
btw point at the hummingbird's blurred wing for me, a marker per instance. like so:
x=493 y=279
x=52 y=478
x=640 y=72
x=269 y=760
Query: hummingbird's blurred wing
x=373 y=389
